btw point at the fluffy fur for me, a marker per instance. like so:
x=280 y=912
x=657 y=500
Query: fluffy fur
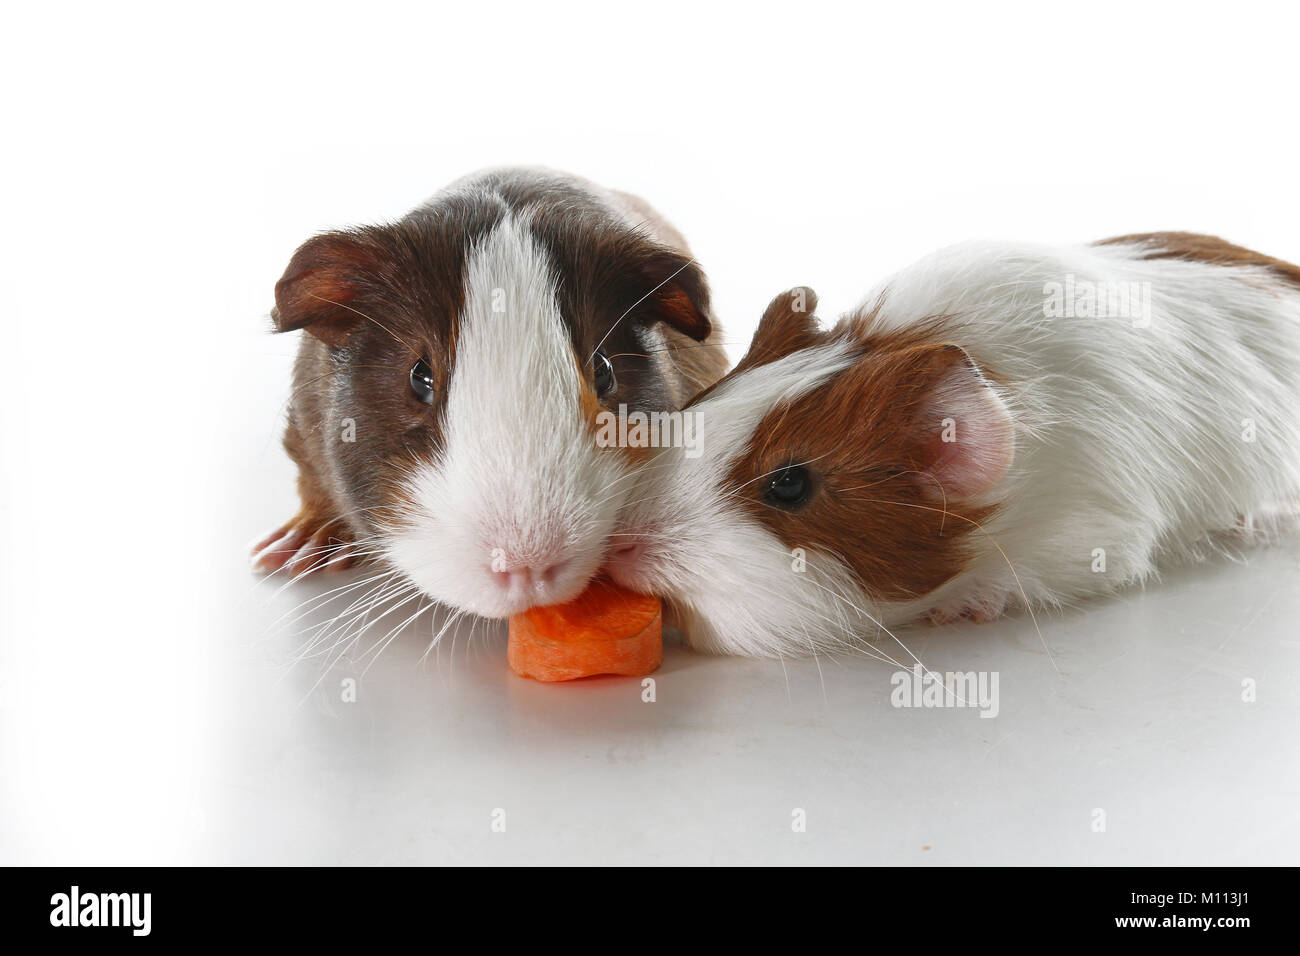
x=1135 y=439
x=684 y=537
x=485 y=488
x=504 y=494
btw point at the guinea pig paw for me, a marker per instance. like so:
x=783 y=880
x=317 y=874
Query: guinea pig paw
x=297 y=550
x=979 y=608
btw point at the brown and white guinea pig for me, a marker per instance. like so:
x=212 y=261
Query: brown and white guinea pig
x=997 y=424
x=444 y=396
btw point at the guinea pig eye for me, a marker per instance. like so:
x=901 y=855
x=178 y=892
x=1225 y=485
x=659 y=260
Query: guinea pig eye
x=422 y=382
x=604 y=369
x=789 y=488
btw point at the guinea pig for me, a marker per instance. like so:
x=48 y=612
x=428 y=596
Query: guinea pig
x=454 y=364
x=998 y=425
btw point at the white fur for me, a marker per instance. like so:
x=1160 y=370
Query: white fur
x=727 y=574
x=1127 y=439
x=520 y=481
x=1129 y=436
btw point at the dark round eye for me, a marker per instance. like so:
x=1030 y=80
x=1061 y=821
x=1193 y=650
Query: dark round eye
x=789 y=488
x=422 y=382
x=604 y=369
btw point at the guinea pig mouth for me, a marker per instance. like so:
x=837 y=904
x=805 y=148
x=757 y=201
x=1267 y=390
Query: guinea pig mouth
x=493 y=582
x=627 y=552
x=509 y=592
x=631 y=557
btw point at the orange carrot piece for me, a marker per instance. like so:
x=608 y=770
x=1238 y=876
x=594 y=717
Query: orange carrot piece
x=604 y=630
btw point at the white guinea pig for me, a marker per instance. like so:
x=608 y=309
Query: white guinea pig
x=998 y=424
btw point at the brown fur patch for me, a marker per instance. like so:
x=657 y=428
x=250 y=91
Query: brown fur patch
x=588 y=402
x=1201 y=248
x=781 y=331
x=680 y=312
x=863 y=438
x=378 y=298
x=788 y=324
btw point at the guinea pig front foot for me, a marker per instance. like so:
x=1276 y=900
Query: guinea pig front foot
x=979 y=608
x=302 y=546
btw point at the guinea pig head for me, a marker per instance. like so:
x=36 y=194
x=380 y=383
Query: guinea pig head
x=465 y=353
x=842 y=472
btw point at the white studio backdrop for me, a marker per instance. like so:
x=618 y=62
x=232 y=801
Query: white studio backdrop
x=161 y=163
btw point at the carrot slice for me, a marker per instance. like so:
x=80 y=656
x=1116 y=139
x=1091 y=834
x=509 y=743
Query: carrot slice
x=604 y=630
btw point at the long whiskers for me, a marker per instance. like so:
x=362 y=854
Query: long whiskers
x=992 y=540
x=344 y=305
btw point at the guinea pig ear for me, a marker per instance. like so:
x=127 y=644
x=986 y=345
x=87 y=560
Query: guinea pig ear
x=322 y=279
x=968 y=439
x=788 y=325
x=681 y=294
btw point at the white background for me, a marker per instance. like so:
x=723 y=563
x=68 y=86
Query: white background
x=160 y=166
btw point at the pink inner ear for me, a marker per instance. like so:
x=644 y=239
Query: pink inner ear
x=972 y=439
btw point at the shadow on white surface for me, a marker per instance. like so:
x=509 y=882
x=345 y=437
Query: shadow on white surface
x=1141 y=750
